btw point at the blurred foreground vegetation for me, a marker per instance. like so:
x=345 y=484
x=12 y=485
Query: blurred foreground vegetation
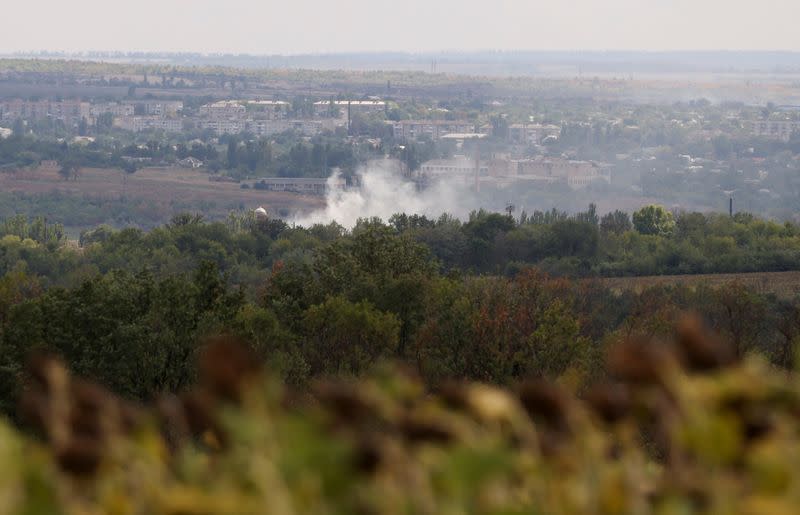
x=675 y=427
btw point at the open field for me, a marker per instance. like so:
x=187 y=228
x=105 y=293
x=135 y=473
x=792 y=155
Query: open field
x=165 y=190
x=783 y=284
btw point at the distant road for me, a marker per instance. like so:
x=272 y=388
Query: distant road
x=783 y=284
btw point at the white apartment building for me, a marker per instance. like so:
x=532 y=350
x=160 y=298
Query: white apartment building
x=144 y=123
x=262 y=127
x=221 y=126
x=304 y=127
x=68 y=111
x=456 y=167
x=161 y=107
x=778 y=129
x=113 y=108
x=224 y=109
x=269 y=109
x=576 y=174
x=434 y=129
x=26 y=110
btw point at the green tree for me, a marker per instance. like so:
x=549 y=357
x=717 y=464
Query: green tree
x=133 y=333
x=17 y=286
x=616 y=222
x=653 y=220
x=496 y=330
x=69 y=171
x=233 y=154
x=481 y=230
x=342 y=337
x=278 y=348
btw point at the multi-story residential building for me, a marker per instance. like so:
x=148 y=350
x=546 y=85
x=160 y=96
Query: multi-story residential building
x=24 y=109
x=167 y=124
x=261 y=117
x=144 y=123
x=777 y=129
x=161 y=107
x=270 y=127
x=262 y=128
x=113 y=108
x=309 y=127
x=269 y=109
x=221 y=126
x=531 y=133
x=434 y=129
x=68 y=111
x=223 y=110
x=323 y=108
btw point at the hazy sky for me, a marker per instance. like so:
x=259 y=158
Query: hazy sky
x=306 y=26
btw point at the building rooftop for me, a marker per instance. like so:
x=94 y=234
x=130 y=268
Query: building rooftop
x=224 y=103
x=465 y=135
x=268 y=102
x=293 y=180
x=532 y=126
x=352 y=102
x=432 y=122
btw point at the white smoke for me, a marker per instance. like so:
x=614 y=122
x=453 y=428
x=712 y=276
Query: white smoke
x=384 y=192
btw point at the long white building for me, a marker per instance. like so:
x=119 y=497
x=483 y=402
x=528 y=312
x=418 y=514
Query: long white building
x=223 y=110
x=434 y=129
x=576 y=174
x=144 y=123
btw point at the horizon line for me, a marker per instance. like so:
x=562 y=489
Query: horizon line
x=396 y=52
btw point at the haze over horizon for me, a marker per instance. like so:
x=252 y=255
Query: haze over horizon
x=303 y=27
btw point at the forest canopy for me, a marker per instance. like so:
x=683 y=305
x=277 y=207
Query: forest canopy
x=492 y=298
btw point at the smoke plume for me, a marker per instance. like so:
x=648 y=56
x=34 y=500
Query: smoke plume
x=384 y=192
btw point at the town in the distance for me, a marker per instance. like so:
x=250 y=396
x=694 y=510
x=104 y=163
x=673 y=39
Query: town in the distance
x=687 y=142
